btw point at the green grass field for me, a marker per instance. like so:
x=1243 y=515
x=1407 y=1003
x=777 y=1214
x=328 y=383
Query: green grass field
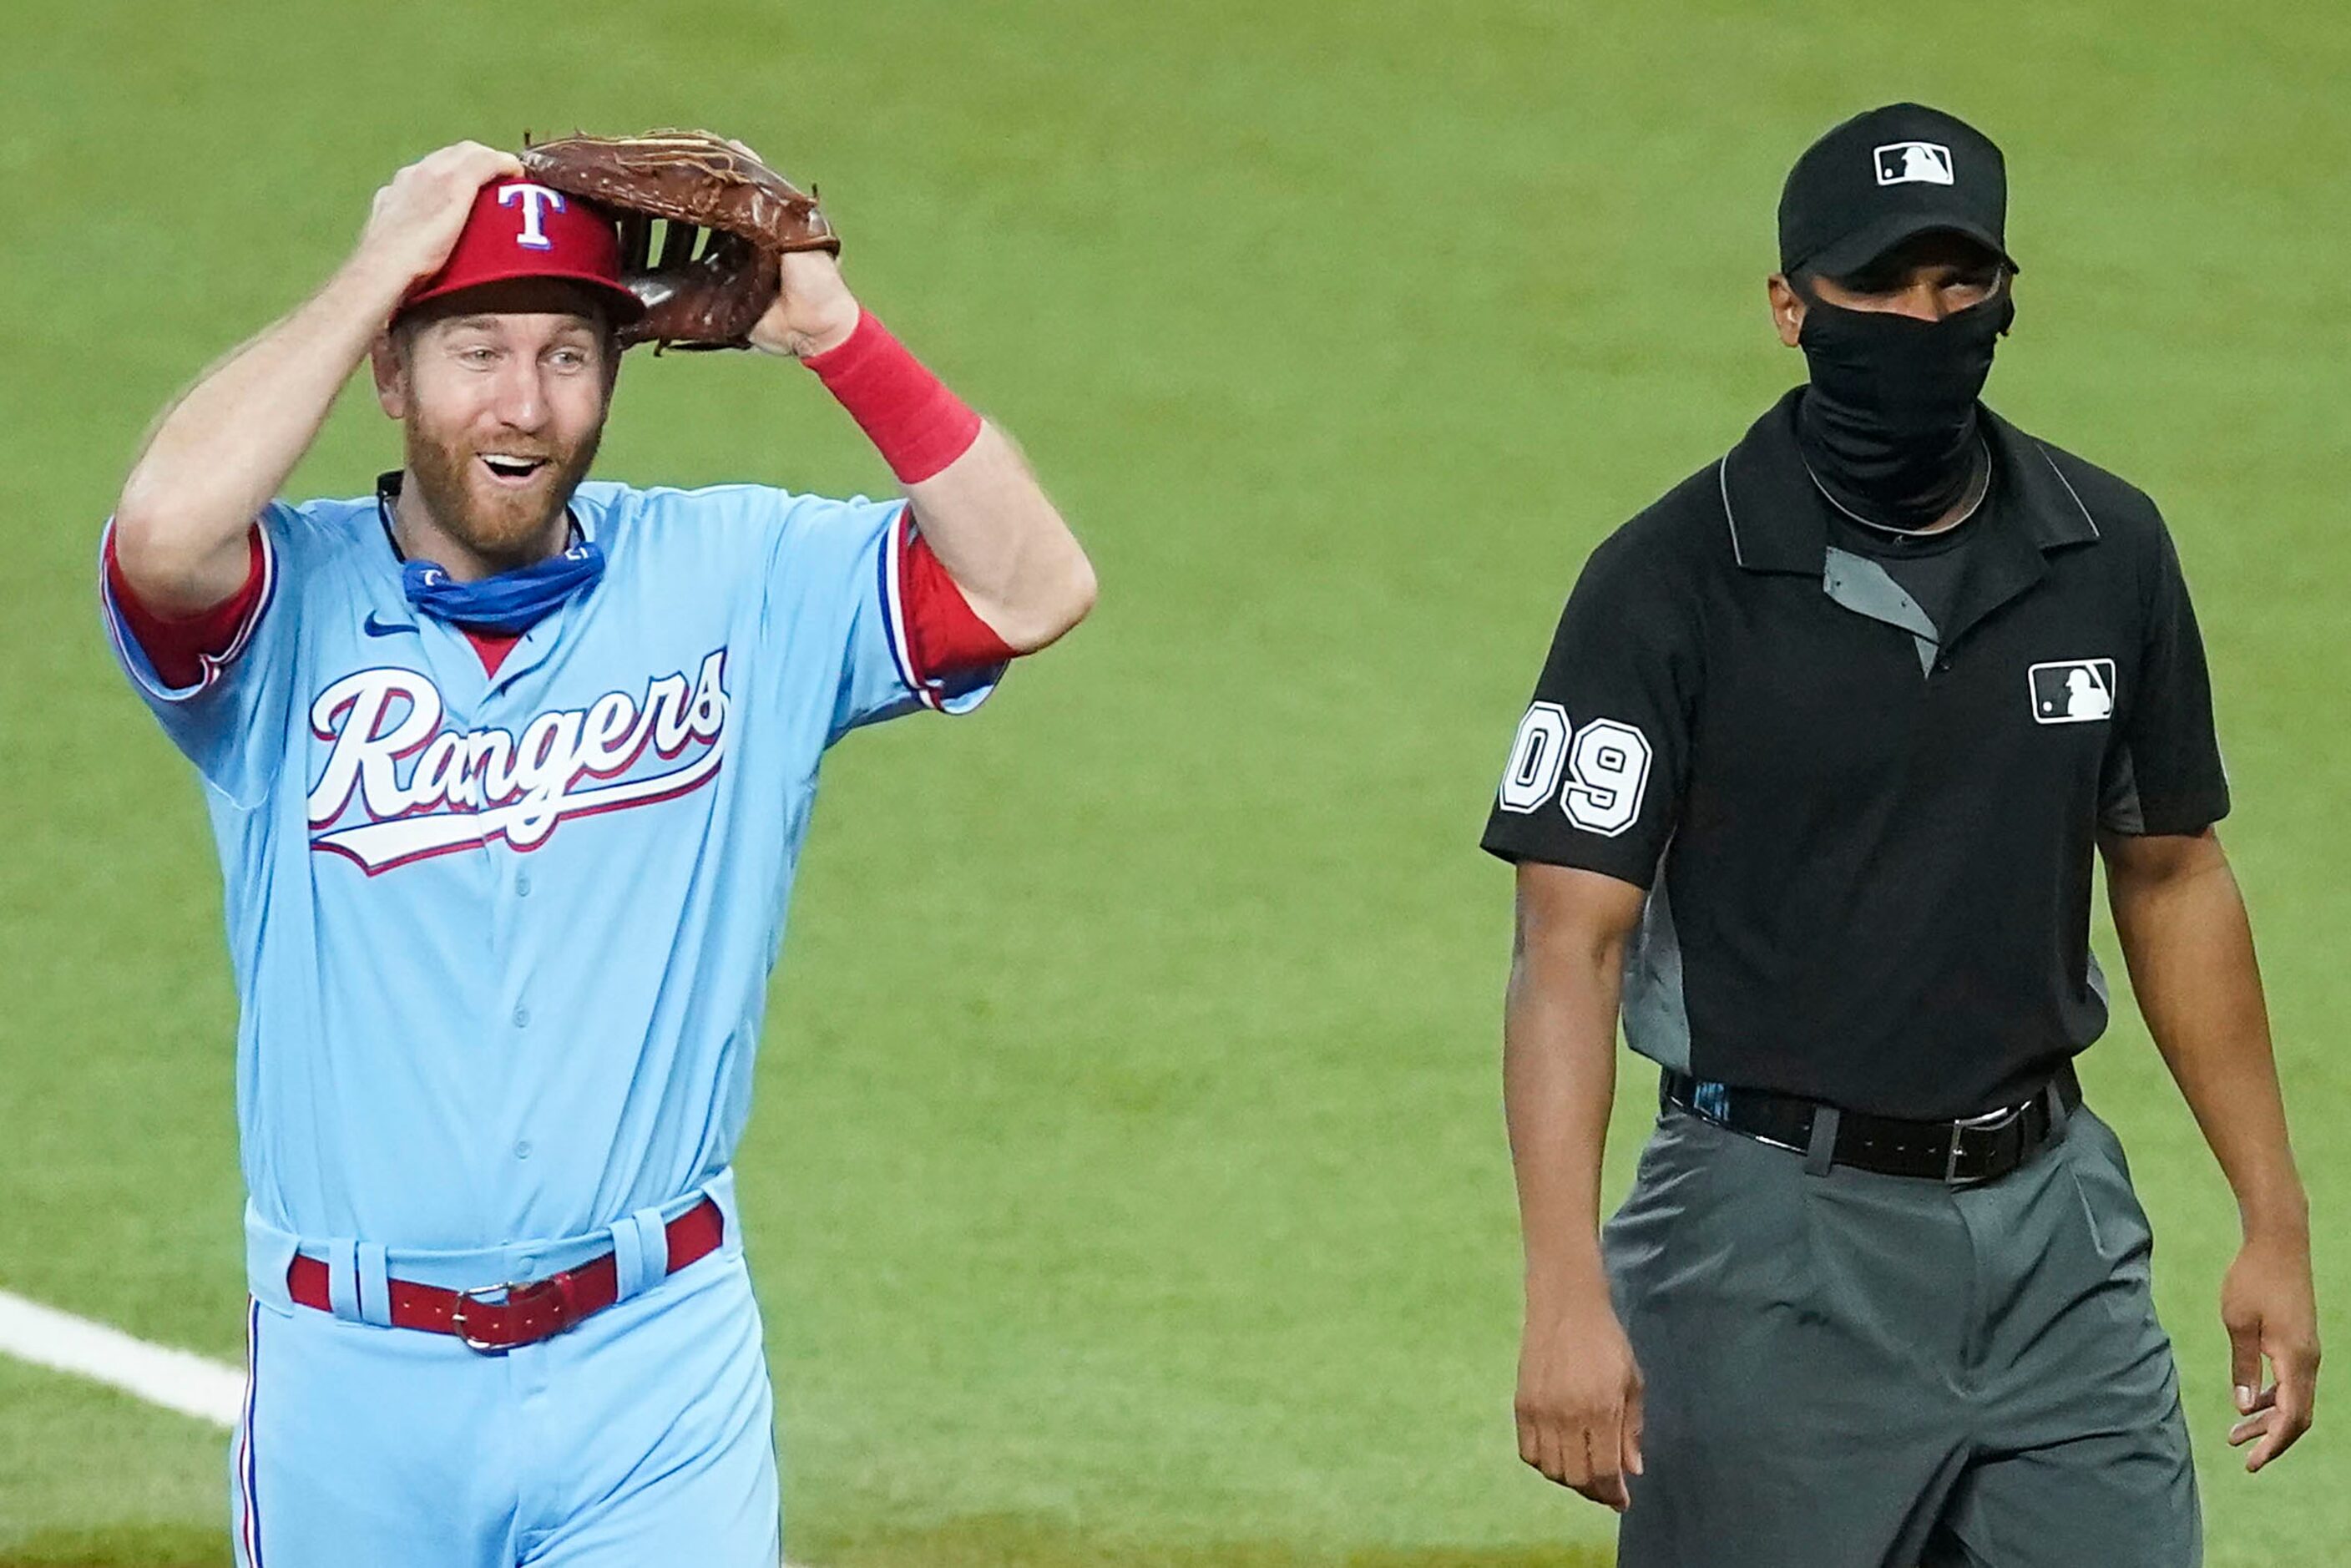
x=1127 y=1184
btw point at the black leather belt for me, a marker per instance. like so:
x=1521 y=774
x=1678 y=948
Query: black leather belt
x=1962 y=1152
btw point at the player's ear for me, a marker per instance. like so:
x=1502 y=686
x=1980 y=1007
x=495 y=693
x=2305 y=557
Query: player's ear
x=1787 y=308
x=388 y=361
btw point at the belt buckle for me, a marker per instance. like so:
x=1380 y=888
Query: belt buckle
x=1990 y=1122
x=480 y=1297
x=516 y=1292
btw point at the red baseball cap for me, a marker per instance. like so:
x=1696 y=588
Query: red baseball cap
x=518 y=229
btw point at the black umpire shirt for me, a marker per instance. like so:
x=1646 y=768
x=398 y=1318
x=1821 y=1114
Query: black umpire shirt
x=1866 y=837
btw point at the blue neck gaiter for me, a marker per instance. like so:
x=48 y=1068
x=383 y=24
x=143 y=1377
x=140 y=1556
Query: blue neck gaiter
x=511 y=602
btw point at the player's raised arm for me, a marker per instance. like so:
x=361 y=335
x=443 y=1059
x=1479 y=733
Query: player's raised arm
x=981 y=510
x=221 y=451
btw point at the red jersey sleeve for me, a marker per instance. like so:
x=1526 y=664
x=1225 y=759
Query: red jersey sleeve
x=945 y=635
x=178 y=645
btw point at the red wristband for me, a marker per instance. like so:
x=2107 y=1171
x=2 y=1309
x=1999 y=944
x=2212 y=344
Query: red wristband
x=917 y=425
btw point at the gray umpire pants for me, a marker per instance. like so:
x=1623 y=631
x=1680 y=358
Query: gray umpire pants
x=1849 y=1369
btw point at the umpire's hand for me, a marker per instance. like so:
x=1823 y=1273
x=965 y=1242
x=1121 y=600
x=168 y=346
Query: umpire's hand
x=2270 y=1309
x=1579 y=1402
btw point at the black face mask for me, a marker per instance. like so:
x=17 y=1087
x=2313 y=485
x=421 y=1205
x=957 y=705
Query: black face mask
x=1888 y=425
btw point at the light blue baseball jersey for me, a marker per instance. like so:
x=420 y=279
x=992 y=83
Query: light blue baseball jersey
x=502 y=941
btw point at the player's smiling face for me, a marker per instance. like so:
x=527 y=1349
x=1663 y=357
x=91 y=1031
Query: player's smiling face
x=503 y=396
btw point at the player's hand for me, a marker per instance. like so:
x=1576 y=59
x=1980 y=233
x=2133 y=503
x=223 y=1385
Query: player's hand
x=1579 y=1402
x=417 y=217
x=815 y=312
x=2270 y=1309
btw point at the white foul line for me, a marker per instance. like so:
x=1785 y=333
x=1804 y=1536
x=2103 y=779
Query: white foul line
x=176 y=1379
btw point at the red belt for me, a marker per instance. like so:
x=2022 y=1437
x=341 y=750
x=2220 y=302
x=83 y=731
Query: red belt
x=533 y=1310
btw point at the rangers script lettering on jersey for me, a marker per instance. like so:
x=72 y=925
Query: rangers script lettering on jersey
x=413 y=787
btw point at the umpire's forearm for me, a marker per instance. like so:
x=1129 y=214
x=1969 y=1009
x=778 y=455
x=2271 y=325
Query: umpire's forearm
x=219 y=454
x=2189 y=949
x=1558 y=1081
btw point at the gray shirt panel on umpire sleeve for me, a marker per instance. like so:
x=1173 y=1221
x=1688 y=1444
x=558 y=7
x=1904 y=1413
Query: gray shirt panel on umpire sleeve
x=1656 y=1010
x=2120 y=809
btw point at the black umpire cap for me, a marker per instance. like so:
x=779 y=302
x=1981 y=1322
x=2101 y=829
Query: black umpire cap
x=1884 y=176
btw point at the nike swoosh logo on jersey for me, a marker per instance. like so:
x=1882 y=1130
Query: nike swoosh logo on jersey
x=375 y=627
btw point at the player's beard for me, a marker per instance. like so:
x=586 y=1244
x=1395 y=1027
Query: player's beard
x=507 y=527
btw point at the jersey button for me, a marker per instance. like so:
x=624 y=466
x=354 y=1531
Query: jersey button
x=522 y=884
x=522 y=1017
x=522 y=1152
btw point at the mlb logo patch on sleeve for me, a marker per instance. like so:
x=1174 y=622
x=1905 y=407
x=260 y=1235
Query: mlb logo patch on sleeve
x=2073 y=691
x=1914 y=164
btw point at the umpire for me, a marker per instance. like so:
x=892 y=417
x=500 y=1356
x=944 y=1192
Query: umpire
x=1808 y=794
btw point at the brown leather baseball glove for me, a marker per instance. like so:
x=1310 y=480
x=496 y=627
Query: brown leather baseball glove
x=727 y=218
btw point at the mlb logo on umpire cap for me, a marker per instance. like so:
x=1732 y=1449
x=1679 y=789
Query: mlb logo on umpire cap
x=2073 y=691
x=1914 y=164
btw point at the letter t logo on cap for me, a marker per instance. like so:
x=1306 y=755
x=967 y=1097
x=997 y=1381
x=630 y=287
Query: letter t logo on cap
x=536 y=200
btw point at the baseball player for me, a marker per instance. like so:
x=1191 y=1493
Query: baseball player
x=510 y=769
x=1809 y=796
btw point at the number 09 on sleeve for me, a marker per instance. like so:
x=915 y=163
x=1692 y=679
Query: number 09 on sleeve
x=1604 y=766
